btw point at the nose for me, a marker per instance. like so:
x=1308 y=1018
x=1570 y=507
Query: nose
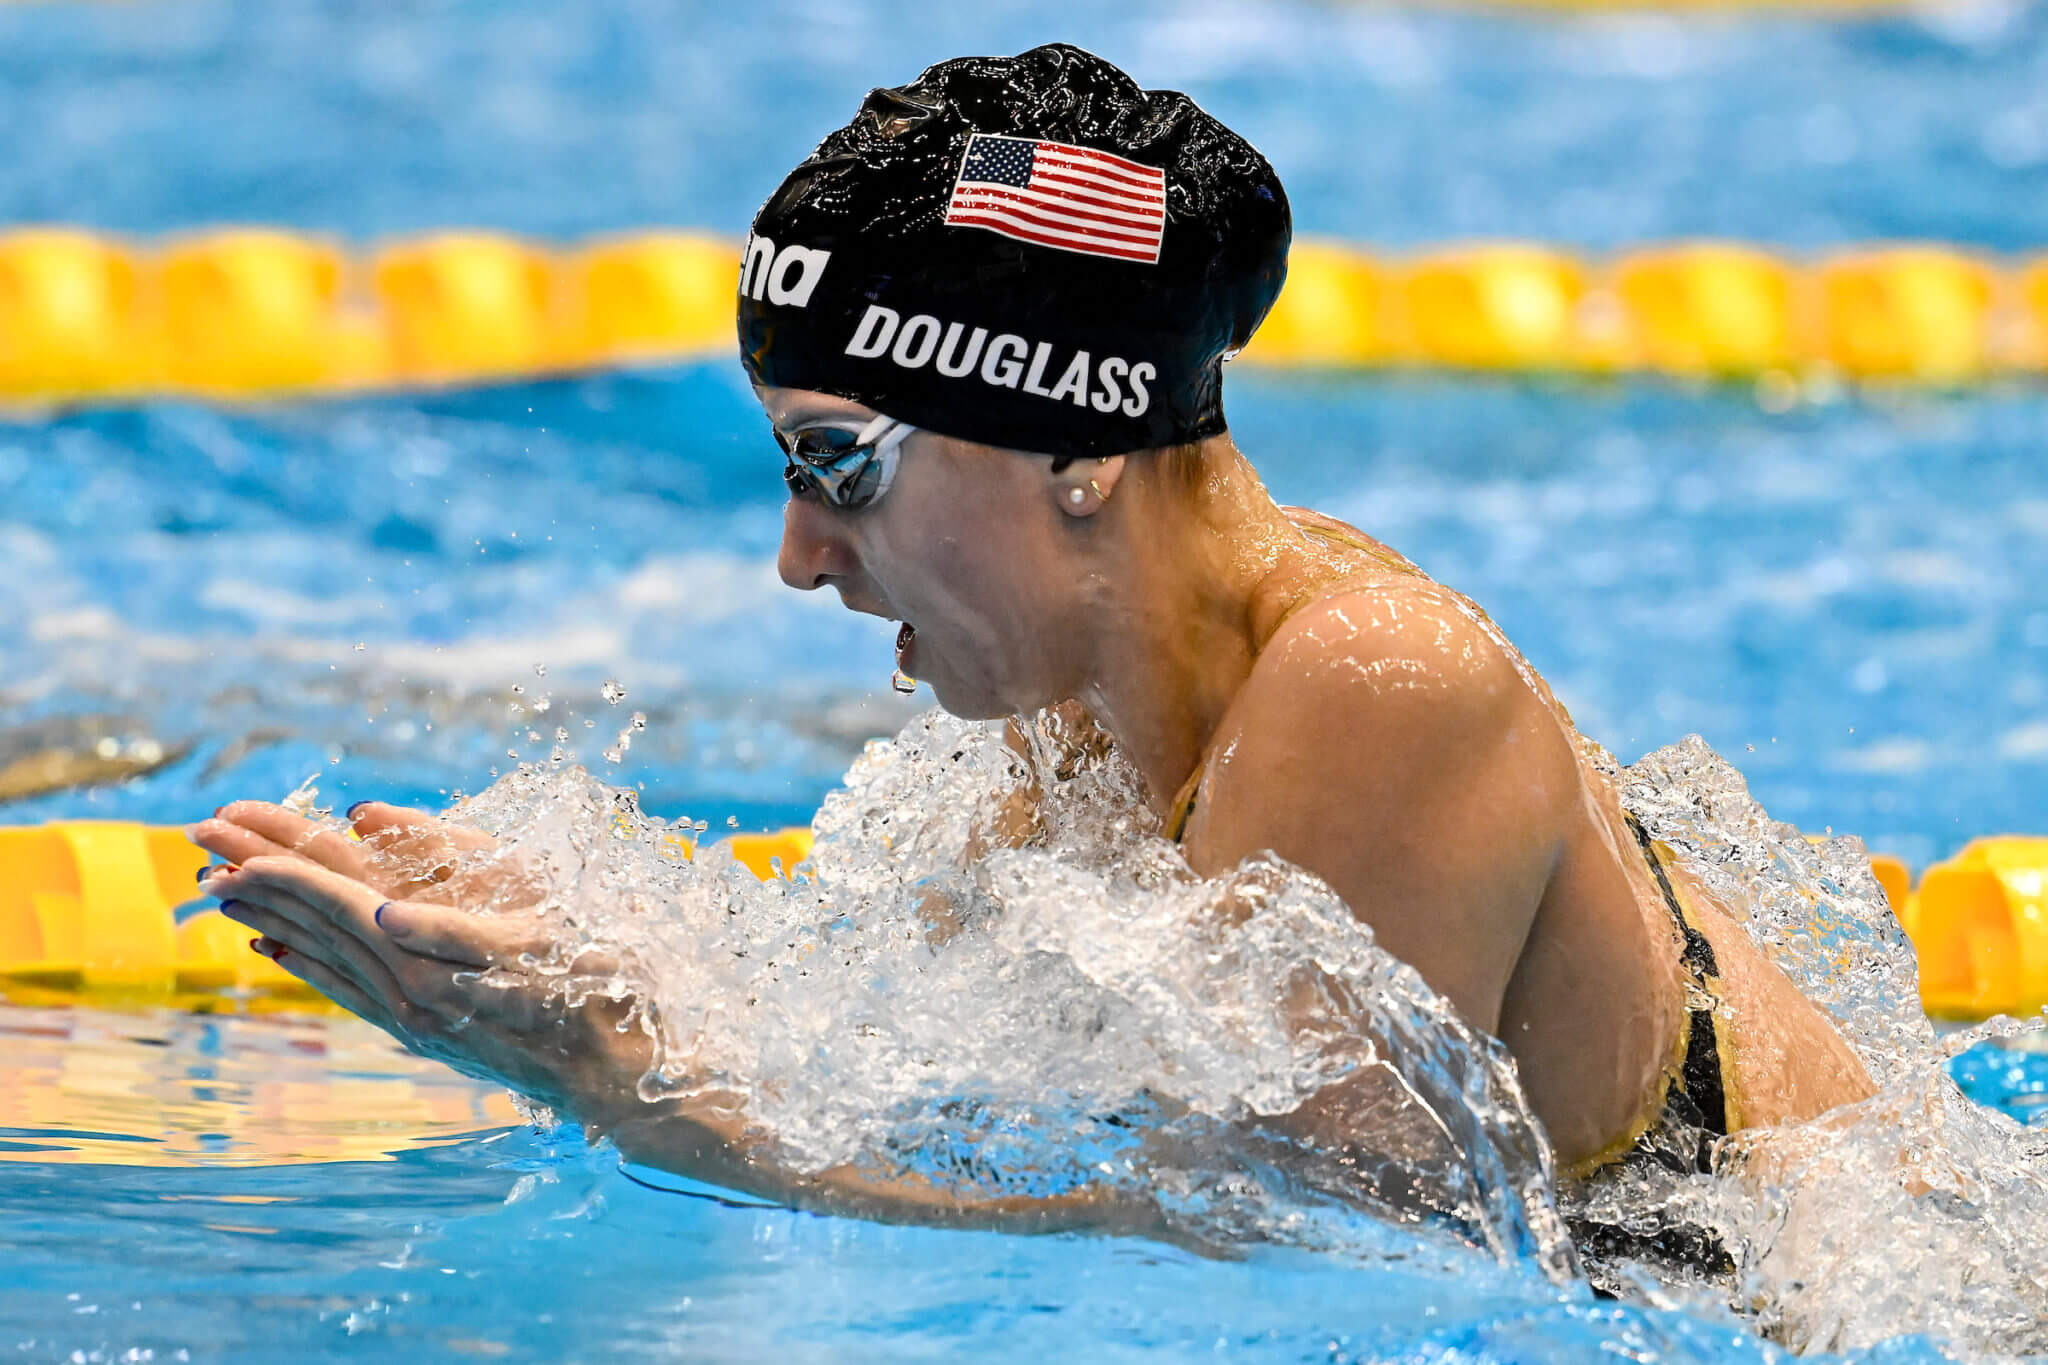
x=814 y=550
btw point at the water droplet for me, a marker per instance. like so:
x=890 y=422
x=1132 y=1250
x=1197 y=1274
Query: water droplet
x=639 y=720
x=518 y=690
x=360 y=646
x=732 y=822
x=540 y=670
x=613 y=691
x=613 y=755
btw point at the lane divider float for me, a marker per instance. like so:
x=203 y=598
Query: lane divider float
x=255 y=312
x=1980 y=924
x=89 y=911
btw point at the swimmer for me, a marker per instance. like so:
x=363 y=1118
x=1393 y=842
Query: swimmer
x=987 y=321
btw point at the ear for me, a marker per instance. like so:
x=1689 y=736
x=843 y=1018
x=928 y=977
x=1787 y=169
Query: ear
x=1084 y=486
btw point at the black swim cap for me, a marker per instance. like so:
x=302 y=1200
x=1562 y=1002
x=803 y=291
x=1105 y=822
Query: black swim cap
x=1027 y=252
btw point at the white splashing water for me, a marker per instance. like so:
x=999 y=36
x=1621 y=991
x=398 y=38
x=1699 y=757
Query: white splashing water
x=1915 y=1211
x=1087 y=1012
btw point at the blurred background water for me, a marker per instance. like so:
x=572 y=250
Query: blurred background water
x=1846 y=598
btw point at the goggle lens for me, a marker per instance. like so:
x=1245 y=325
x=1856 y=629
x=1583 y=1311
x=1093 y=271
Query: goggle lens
x=836 y=466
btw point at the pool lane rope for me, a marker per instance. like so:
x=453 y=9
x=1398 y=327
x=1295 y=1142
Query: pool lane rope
x=254 y=312
x=108 y=912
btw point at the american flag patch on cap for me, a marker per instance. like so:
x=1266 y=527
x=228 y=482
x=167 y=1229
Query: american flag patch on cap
x=1053 y=194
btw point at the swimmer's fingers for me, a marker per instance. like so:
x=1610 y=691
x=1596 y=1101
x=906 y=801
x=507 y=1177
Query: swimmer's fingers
x=395 y=823
x=449 y=935
x=420 y=947
x=417 y=850
x=422 y=997
x=337 y=911
x=373 y=991
x=228 y=840
x=423 y=857
x=341 y=989
x=294 y=833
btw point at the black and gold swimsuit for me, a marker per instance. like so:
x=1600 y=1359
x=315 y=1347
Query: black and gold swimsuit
x=1698 y=1086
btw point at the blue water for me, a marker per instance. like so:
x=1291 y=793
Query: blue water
x=1846 y=600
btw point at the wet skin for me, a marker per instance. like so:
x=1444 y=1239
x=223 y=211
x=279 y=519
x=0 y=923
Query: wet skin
x=1346 y=712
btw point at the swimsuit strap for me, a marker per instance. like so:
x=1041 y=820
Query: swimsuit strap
x=1701 y=1076
x=1696 y=1103
x=1183 y=807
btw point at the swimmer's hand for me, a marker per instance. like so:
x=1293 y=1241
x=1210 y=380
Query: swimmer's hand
x=405 y=853
x=385 y=929
x=385 y=932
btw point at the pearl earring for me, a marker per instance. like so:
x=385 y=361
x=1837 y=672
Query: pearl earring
x=1077 y=496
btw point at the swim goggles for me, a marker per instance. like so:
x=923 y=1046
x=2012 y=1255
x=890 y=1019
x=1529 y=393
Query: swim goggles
x=840 y=463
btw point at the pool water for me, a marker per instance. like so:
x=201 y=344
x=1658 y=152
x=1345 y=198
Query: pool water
x=435 y=1227
x=1844 y=599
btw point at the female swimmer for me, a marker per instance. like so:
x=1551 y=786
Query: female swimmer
x=987 y=320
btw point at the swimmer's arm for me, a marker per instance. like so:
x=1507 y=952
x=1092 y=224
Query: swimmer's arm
x=1388 y=744
x=709 y=1144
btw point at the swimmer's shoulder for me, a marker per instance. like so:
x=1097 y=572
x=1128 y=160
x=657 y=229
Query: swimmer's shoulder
x=1386 y=741
x=1387 y=650
x=1357 y=563
x=1345 y=539
x=1381 y=694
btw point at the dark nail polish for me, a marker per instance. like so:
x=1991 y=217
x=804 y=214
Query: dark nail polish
x=205 y=872
x=256 y=947
x=351 y=815
x=280 y=953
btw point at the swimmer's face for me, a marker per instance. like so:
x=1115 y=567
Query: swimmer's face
x=968 y=546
